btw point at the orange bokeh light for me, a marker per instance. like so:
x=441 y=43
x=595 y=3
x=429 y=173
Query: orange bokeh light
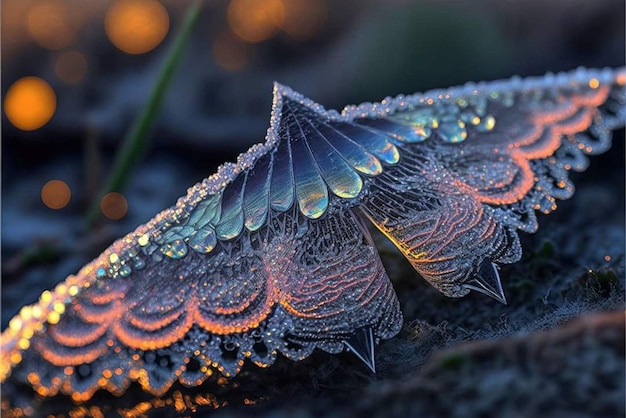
x=255 y=20
x=136 y=26
x=50 y=24
x=229 y=52
x=303 y=18
x=14 y=31
x=55 y=194
x=70 y=67
x=114 y=206
x=30 y=103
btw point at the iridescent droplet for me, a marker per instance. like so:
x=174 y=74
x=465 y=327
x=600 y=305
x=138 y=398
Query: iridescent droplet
x=125 y=270
x=425 y=118
x=470 y=118
x=453 y=131
x=143 y=240
x=314 y=205
x=487 y=124
x=203 y=241
x=421 y=133
x=175 y=249
x=139 y=263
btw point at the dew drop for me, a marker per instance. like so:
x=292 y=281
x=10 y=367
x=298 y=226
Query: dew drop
x=125 y=270
x=175 y=249
x=204 y=240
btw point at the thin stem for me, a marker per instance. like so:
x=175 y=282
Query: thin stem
x=136 y=137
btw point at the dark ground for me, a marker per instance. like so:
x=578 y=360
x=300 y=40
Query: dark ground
x=552 y=351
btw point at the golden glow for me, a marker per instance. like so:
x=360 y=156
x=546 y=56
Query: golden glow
x=143 y=240
x=607 y=258
x=58 y=307
x=28 y=333
x=23 y=344
x=155 y=340
x=55 y=194
x=599 y=97
x=30 y=103
x=15 y=358
x=255 y=20
x=46 y=297
x=114 y=206
x=136 y=26
x=229 y=52
x=15 y=324
x=26 y=313
x=594 y=83
x=61 y=289
x=33 y=378
x=179 y=404
x=70 y=67
x=54 y=317
x=50 y=24
x=490 y=122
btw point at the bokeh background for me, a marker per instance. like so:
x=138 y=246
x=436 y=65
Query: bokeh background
x=85 y=69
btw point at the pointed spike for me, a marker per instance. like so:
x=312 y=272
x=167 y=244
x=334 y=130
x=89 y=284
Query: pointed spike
x=487 y=281
x=361 y=343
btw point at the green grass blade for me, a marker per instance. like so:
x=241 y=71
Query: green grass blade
x=136 y=138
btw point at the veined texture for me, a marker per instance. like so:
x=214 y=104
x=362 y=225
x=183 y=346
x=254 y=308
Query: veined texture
x=271 y=255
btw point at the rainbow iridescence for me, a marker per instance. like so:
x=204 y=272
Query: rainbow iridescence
x=270 y=255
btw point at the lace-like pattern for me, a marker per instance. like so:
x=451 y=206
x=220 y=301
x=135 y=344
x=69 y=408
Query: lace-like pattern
x=270 y=255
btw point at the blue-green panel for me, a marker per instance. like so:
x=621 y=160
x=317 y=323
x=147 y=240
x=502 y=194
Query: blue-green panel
x=377 y=144
x=352 y=152
x=342 y=180
x=256 y=194
x=231 y=222
x=282 y=186
x=311 y=191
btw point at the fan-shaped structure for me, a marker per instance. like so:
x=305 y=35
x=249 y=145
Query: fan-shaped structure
x=271 y=254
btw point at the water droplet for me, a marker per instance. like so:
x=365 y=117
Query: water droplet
x=139 y=263
x=125 y=270
x=143 y=240
x=453 y=131
x=175 y=249
x=487 y=124
x=204 y=240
